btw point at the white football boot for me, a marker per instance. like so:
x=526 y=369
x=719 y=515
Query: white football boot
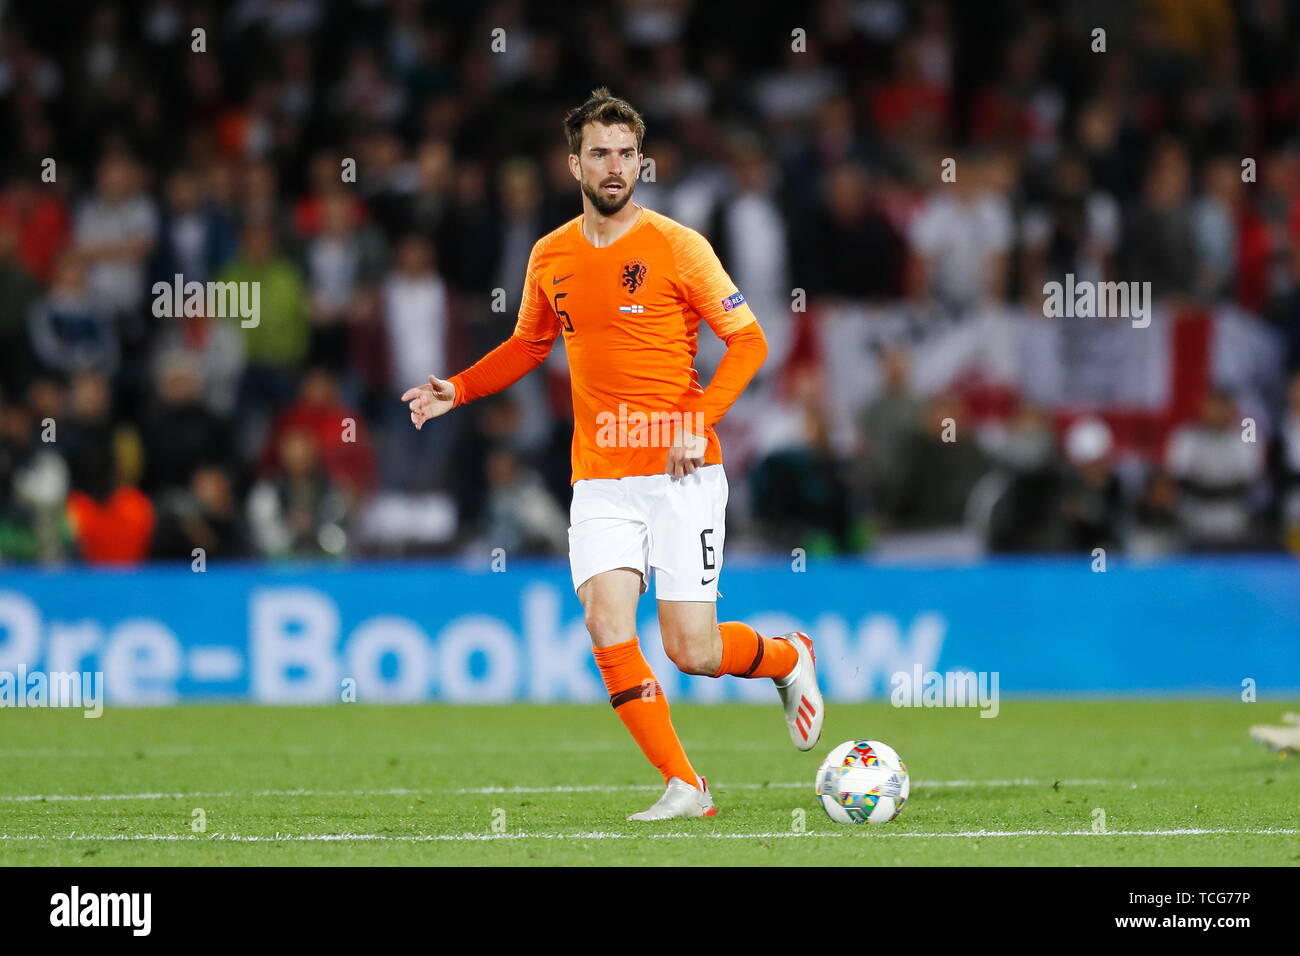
x=1280 y=740
x=680 y=800
x=799 y=694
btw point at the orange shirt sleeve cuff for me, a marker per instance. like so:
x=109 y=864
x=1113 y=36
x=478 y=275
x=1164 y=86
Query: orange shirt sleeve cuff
x=499 y=369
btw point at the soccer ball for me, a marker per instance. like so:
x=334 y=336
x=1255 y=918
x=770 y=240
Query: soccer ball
x=862 y=781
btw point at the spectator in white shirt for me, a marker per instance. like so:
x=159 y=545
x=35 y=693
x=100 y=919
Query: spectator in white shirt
x=114 y=235
x=415 y=316
x=415 y=312
x=961 y=239
x=1215 y=467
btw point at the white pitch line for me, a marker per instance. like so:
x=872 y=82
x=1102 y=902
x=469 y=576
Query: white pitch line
x=785 y=784
x=590 y=788
x=409 y=751
x=864 y=833
x=78 y=797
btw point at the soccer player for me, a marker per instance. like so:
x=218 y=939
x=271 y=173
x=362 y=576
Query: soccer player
x=627 y=288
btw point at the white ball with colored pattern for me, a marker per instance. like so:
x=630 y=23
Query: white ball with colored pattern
x=862 y=781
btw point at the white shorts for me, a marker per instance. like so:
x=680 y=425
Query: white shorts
x=674 y=525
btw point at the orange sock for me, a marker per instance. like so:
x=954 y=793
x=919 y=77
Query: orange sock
x=746 y=653
x=640 y=703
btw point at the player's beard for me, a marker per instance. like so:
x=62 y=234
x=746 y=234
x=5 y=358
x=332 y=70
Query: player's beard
x=609 y=205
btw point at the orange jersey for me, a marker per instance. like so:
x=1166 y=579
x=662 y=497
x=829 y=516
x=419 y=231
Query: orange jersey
x=630 y=315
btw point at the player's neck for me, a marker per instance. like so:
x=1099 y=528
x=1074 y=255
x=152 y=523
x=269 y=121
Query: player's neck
x=601 y=230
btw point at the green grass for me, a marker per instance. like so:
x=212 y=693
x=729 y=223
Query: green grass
x=1150 y=765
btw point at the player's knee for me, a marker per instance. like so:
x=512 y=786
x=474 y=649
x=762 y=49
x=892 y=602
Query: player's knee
x=691 y=658
x=606 y=628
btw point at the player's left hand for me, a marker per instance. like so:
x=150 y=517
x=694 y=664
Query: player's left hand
x=686 y=454
x=429 y=401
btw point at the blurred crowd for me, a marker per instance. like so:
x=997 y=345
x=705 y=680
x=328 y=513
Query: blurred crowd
x=807 y=141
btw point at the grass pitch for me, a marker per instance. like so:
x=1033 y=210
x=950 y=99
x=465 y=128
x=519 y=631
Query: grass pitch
x=1179 y=783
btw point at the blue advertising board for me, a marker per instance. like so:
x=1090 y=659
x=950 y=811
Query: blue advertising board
x=441 y=631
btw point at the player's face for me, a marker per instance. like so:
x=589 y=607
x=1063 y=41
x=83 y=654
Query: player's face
x=607 y=167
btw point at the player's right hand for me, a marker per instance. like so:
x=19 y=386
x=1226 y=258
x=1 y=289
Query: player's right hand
x=686 y=454
x=429 y=401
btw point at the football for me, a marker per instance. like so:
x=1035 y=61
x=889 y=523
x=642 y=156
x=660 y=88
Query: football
x=862 y=781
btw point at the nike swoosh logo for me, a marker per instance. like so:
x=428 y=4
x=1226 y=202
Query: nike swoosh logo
x=557 y=280
x=709 y=581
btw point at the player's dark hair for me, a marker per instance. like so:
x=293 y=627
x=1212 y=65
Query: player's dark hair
x=604 y=108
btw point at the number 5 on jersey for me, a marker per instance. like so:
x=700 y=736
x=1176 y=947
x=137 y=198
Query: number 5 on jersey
x=565 y=321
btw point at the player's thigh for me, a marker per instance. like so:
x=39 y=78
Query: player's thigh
x=687 y=532
x=609 y=601
x=606 y=531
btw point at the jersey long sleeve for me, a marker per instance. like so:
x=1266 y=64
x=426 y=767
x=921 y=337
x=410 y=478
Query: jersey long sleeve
x=746 y=352
x=499 y=369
